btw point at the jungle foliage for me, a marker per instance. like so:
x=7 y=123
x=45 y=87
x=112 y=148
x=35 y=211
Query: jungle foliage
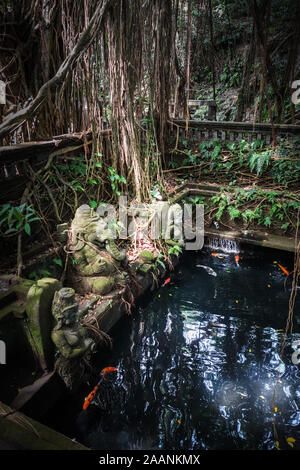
x=107 y=70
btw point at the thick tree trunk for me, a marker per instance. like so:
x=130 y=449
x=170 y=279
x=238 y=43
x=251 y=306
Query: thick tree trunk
x=244 y=97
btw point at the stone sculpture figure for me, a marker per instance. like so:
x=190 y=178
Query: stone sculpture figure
x=68 y=335
x=73 y=345
x=97 y=261
x=170 y=221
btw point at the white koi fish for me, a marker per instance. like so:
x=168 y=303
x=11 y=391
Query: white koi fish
x=207 y=269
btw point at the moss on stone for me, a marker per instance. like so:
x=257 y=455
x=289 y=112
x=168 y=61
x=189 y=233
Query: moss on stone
x=23 y=287
x=103 y=285
x=146 y=268
x=40 y=324
x=147 y=256
x=14 y=297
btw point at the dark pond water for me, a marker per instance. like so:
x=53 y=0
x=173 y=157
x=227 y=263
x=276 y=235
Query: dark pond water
x=197 y=364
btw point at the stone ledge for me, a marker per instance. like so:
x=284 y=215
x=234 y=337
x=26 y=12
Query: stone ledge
x=254 y=237
x=19 y=432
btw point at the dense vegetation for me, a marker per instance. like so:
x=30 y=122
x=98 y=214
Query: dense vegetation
x=108 y=70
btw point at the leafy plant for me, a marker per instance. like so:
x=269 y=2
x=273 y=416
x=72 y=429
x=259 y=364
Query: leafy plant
x=215 y=157
x=15 y=219
x=34 y=276
x=173 y=164
x=58 y=262
x=116 y=180
x=159 y=261
x=233 y=212
x=196 y=200
x=175 y=250
x=259 y=161
x=93 y=204
x=191 y=158
x=39 y=274
x=155 y=193
x=77 y=186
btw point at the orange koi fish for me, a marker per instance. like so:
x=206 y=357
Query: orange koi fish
x=106 y=370
x=283 y=269
x=237 y=258
x=166 y=282
x=219 y=255
x=91 y=395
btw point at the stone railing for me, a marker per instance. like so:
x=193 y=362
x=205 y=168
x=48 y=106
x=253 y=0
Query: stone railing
x=230 y=130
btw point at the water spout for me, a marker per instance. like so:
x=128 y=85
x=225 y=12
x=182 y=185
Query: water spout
x=222 y=244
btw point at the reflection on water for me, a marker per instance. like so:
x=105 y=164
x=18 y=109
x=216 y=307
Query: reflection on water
x=197 y=365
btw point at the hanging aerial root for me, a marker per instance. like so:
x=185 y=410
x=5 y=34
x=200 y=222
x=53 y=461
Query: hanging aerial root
x=98 y=335
x=73 y=371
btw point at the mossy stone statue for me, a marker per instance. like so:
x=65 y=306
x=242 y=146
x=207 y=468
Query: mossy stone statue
x=68 y=335
x=97 y=261
x=73 y=345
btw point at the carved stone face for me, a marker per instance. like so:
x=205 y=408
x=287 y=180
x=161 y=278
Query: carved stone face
x=91 y=227
x=70 y=317
x=84 y=214
x=102 y=230
x=84 y=226
x=65 y=306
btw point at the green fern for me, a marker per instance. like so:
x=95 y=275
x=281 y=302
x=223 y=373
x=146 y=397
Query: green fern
x=233 y=212
x=259 y=162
